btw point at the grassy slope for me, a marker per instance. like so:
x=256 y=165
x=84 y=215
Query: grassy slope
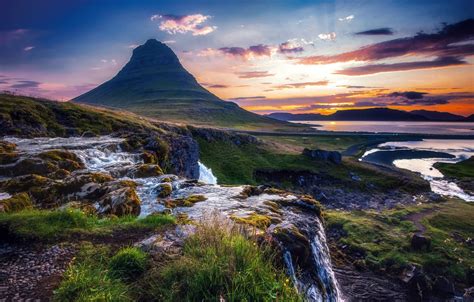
x=384 y=238
x=234 y=164
x=460 y=170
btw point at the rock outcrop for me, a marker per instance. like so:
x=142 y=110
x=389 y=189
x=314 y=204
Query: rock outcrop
x=318 y=154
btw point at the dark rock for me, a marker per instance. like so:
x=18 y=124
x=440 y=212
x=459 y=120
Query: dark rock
x=444 y=287
x=331 y=156
x=420 y=242
x=184 y=157
x=419 y=287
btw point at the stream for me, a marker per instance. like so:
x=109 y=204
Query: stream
x=314 y=279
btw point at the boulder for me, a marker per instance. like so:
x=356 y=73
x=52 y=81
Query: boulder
x=420 y=242
x=123 y=201
x=16 y=203
x=419 y=287
x=164 y=190
x=444 y=287
x=331 y=156
x=146 y=170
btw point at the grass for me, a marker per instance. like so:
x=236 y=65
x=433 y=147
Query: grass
x=217 y=262
x=459 y=170
x=238 y=164
x=45 y=225
x=384 y=238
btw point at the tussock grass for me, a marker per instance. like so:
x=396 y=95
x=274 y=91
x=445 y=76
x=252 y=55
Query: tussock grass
x=219 y=262
x=128 y=264
x=46 y=225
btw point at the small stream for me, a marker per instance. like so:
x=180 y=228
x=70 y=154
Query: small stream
x=316 y=281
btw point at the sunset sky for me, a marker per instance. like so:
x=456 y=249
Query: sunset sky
x=268 y=56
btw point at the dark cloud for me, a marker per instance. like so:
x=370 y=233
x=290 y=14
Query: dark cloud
x=259 y=50
x=377 y=68
x=376 y=32
x=253 y=74
x=450 y=45
x=412 y=95
x=215 y=85
x=302 y=84
x=248 y=98
x=25 y=84
x=355 y=86
x=290 y=47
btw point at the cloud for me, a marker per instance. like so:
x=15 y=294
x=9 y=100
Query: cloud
x=327 y=36
x=253 y=74
x=259 y=50
x=25 y=84
x=448 y=44
x=301 y=85
x=174 y=24
x=377 y=68
x=28 y=48
x=412 y=95
x=347 y=19
x=215 y=85
x=133 y=46
x=248 y=98
x=376 y=32
x=290 y=46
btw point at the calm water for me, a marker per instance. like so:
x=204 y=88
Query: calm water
x=395 y=127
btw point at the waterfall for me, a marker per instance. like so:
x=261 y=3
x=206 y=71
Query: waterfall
x=205 y=175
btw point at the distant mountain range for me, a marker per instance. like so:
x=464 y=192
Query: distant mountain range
x=374 y=114
x=155 y=84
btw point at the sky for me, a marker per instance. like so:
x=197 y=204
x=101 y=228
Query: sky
x=267 y=56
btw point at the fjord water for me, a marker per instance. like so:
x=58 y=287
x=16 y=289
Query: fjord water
x=450 y=151
x=103 y=154
x=453 y=128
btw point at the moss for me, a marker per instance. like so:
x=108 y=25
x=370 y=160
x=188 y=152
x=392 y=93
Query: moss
x=24 y=183
x=6 y=147
x=16 y=203
x=184 y=202
x=149 y=157
x=167 y=179
x=165 y=190
x=254 y=219
x=148 y=170
x=121 y=202
x=306 y=202
x=63 y=159
x=8 y=157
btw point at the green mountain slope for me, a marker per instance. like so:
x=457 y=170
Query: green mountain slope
x=155 y=84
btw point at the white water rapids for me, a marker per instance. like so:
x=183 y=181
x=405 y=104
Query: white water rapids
x=103 y=154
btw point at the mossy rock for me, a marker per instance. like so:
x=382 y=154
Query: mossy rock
x=16 y=203
x=8 y=157
x=7 y=147
x=149 y=157
x=160 y=147
x=63 y=159
x=295 y=242
x=167 y=179
x=250 y=191
x=24 y=183
x=304 y=202
x=184 y=202
x=257 y=220
x=147 y=170
x=121 y=202
x=165 y=190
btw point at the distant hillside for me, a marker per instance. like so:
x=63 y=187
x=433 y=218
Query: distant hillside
x=469 y=118
x=438 y=116
x=155 y=84
x=373 y=114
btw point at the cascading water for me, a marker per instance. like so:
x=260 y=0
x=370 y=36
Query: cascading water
x=315 y=279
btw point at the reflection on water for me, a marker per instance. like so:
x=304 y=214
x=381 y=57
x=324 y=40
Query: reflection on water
x=460 y=149
x=395 y=127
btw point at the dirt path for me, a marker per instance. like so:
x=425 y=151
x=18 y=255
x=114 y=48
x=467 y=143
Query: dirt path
x=417 y=217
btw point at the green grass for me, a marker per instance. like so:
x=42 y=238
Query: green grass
x=384 y=238
x=325 y=142
x=88 y=279
x=460 y=170
x=218 y=261
x=128 y=264
x=237 y=164
x=45 y=225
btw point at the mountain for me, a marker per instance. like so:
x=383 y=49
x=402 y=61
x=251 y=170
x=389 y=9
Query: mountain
x=155 y=84
x=469 y=118
x=438 y=116
x=371 y=114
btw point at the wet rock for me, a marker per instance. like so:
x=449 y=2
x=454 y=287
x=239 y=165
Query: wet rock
x=419 y=287
x=294 y=241
x=149 y=157
x=251 y=191
x=185 y=201
x=331 y=156
x=120 y=202
x=469 y=295
x=420 y=242
x=444 y=287
x=146 y=170
x=165 y=190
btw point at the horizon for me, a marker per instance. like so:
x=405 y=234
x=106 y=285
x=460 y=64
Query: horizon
x=324 y=56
